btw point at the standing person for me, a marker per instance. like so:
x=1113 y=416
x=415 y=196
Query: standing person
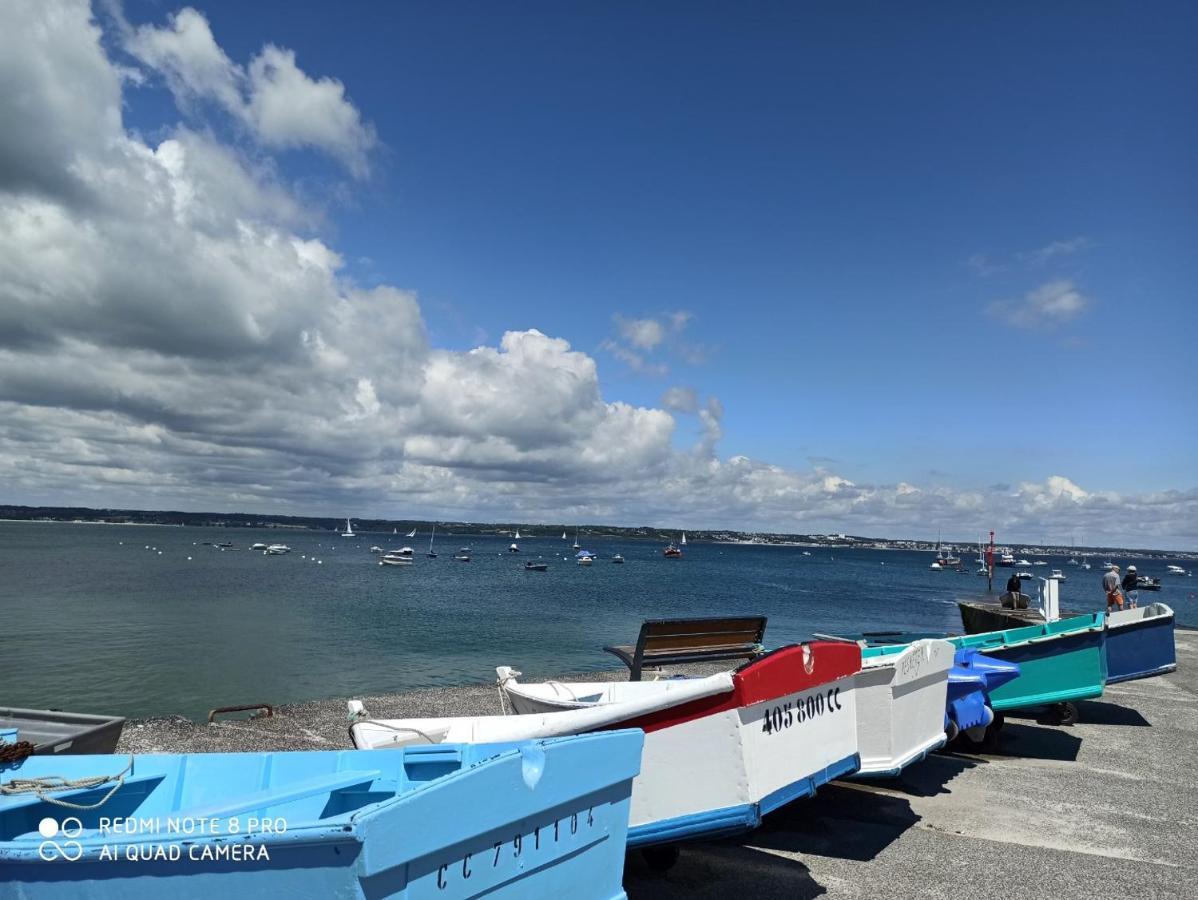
x=1131 y=583
x=1110 y=584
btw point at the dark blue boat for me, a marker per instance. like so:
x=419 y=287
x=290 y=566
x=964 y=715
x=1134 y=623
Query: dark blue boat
x=1139 y=643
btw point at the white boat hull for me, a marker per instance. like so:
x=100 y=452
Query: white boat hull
x=720 y=752
x=900 y=707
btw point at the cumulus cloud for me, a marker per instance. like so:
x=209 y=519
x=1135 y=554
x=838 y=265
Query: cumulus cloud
x=1051 y=304
x=174 y=333
x=277 y=102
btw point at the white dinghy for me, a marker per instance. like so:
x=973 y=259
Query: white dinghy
x=720 y=752
x=900 y=706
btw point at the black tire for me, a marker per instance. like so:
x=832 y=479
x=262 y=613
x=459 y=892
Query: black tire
x=661 y=858
x=1067 y=714
x=999 y=721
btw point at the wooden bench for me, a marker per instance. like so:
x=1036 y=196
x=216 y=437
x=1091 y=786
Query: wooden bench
x=664 y=642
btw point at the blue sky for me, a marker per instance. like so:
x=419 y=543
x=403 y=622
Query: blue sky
x=935 y=245
x=809 y=184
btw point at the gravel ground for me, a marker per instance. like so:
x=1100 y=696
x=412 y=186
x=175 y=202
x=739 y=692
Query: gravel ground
x=1107 y=808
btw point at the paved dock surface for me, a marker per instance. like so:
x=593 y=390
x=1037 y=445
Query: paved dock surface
x=1106 y=808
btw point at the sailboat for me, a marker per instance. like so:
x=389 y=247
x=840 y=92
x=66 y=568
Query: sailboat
x=516 y=536
x=432 y=553
x=564 y=536
x=577 y=546
x=411 y=533
x=683 y=542
x=349 y=530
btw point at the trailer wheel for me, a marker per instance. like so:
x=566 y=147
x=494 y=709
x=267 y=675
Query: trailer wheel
x=999 y=721
x=1066 y=714
x=661 y=858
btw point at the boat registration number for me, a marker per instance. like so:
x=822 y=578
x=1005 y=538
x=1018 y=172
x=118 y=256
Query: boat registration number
x=795 y=712
x=503 y=854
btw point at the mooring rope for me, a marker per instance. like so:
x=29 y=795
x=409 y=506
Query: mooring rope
x=44 y=786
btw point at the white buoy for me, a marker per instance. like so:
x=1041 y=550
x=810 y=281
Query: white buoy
x=320 y=562
x=159 y=552
x=189 y=559
x=147 y=546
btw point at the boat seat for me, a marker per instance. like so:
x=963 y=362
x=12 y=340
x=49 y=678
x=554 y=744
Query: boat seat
x=276 y=796
x=665 y=642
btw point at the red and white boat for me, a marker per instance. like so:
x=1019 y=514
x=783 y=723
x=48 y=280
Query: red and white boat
x=720 y=752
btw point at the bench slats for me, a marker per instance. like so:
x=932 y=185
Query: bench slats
x=666 y=641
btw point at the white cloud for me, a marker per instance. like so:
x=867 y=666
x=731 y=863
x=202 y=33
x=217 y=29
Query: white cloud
x=645 y=334
x=280 y=105
x=1056 y=249
x=1050 y=305
x=173 y=334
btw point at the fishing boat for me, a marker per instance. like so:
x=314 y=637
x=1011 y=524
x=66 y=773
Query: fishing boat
x=432 y=554
x=547 y=818
x=49 y=732
x=671 y=551
x=720 y=752
x=1139 y=643
x=349 y=530
x=1059 y=661
x=1147 y=583
x=394 y=558
x=1006 y=559
x=901 y=700
x=536 y=567
x=618 y=559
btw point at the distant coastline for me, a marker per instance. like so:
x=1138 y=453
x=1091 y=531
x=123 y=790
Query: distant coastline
x=533 y=530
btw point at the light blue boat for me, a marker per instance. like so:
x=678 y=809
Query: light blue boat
x=538 y=819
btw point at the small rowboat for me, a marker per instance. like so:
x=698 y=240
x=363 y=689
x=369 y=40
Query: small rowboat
x=1139 y=643
x=545 y=818
x=901 y=698
x=52 y=731
x=720 y=752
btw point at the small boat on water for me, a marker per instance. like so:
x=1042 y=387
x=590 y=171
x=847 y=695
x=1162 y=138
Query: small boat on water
x=49 y=732
x=411 y=533
x=375 y=548
x=276 y=550
x=585 y=557
x=514 y=548
x=1057 y=575
x=432 y=554
x=618 y=559
x=463 y=555
x=1107 y=566
x=1175 y=570
x=1006 y=559
x=258 y=546
x=546 y=818
x=720 y=752
x=1140 y=643
x=536 y=567
x=349 y=530
x=671 y=551
x=395 y=559
x=1148 y=583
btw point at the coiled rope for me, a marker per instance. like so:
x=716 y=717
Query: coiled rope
x=47 y=784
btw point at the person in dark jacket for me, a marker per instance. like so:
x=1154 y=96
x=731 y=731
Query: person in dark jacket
x=1130 y=584
x=1012 y=599
x=1014 y=585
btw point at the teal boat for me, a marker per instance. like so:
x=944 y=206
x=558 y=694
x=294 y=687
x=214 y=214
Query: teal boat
x=1059 y=663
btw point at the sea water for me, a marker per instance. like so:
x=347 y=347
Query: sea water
x=143 y=620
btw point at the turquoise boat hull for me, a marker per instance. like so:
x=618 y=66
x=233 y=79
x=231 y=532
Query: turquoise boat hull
x=538 y=819
x=1059 y=662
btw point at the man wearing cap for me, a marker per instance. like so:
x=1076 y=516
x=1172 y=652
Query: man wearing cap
x=1130 y=585
x=1110 y=584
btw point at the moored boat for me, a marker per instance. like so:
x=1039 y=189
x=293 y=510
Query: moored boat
x=276 y=550
x=536 y=567
x=395 y=559
x=1139 y=643
x=671 y=552
x=546 y=818
x=618 y=558
x=720 y=752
